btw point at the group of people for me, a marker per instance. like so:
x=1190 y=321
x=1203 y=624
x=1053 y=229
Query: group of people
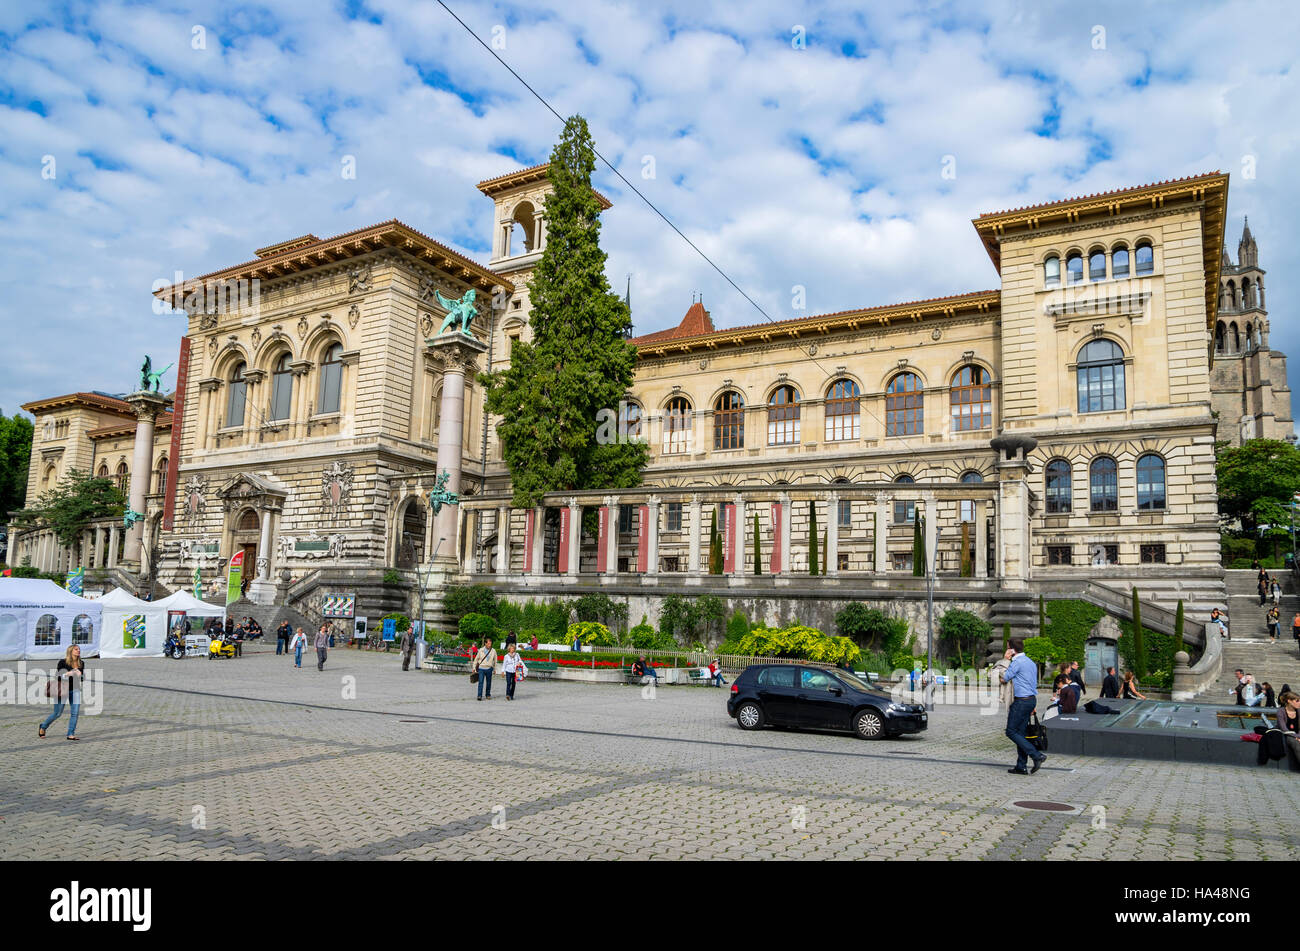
x=1248 y=693
x=484 y=665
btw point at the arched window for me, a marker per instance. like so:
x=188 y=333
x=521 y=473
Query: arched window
x=1097 y=265
x=729 y=421
x=783 y=417
x=1146 y=259
x=1249 y=338
x=281 y=388
x=1052 y=271
x=331 y=380
x=103 y=471
x=1074 y=268
x=1247 y=292
x=904 y=509
x=904 y=413
x=972 y=399
x=1220 y=332
x=629 y=420
x=677 y=425
x=1234 y=338
x=1059 y=485
x=1151 y=482
x=47 y=631
x=967 y=513
x=248 y=522
x=122 y=476
x=843 y=411
x=1119 y=262
x=1101 y=377
x=238 y=396
x=47 y=480
x=1103 y=485
x=160 y=476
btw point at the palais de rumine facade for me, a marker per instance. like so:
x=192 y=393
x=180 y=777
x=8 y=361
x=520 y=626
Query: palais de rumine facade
x=1060 y=425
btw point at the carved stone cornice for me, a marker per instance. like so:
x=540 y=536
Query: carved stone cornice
x=208 y=384
x=300 y=367
x=454 y=353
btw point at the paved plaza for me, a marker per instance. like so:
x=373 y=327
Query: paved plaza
x=252 y=758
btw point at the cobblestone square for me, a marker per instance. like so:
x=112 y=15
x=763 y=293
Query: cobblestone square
x=254 y=759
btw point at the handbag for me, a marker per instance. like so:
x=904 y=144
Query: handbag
x=1036 y=733
x=473 y=676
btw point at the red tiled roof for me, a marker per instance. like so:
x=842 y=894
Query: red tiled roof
x=1114 y=191
x=695 y=323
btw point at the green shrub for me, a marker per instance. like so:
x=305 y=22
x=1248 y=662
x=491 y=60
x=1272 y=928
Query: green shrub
x=1040 y=650
x=556 y=621
x=527 y=634
x=1158 y=650
x=871 y=628
x=737 y=627
x=962 y=629
x=534 y=616
x=904 y=656
x=392 y=576
x=676 y=617
x=477 y=626
x=475 y=599
x=799 y=641
x=1069 y=623
x=601 y=607
x=510 y=617
x=26 y=571
x=590 y=632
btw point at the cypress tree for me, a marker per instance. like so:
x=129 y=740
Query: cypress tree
x=812 y=537
x=967 y=566
x=1139 y=647
x=559 y=398
x=715 y=545
x=918 y=546
x=1042 y=618
x=825 y=552
x=758 y=549
x=1178 y=628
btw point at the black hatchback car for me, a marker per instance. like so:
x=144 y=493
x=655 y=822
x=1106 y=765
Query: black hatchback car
x=813 y=698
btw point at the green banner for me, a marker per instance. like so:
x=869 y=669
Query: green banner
x=198 y=584
x=233 y=582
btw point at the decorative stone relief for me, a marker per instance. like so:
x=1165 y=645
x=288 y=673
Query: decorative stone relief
x=303 y=327
x=359 y=280
x=936 y=333
x=812 y=349
x=196 y=489
x=427 y=287
x=212 y=346
x=257 y=337
x=426 y=324
x=208 y=321
x=262 y=565
x=336 y=486
x=328 y=548
x=354 y=316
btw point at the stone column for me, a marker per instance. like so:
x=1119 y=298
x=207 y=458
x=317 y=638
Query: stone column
x=981 y=541
x=611 y=553
x=147 y=406
x=932 y=534
x=503 y=540
x=832 y=534
x=112 y=545
x=738 y=513
x=574 y=552
x=539 y=538
x=787 y=516
x=693 y=564
x=1013 y=510
x=99 y=547
x=881 y=539
x=651 y=511
x=457 y=354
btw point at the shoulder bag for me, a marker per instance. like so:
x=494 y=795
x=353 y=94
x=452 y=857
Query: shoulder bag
x=473 y=674
x=1036 y=733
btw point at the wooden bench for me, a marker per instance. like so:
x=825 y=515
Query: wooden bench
x=696 y=674
x=541 y=666
x=637 y=679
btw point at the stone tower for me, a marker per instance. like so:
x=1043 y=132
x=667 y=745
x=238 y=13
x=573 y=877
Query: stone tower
x=1249 y=391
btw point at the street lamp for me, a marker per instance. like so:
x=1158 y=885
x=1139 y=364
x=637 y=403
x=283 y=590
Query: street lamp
x=422 y=580
x=933 y=558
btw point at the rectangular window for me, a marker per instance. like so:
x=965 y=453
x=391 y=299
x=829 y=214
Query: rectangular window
x=1153 y=554
x=845 y=513
x=904 y=512
x=672 y=563
x=901 y=561
x=842 y=561
x=235 y=406
x=967 y=512
x=623 y=566
x=674 y=517
x=331 y=378
x=625 y=515
x=1058 y=554
x=1112 y=554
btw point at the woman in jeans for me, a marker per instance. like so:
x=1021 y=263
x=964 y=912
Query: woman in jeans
x=298 y=643
x=485 y=662
x=512 y=665
x=70 y=672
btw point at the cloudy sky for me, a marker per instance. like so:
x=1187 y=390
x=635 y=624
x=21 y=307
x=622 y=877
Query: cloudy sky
x=796 y=144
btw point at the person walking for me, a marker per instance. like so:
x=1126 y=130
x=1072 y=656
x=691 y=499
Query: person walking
x=1274 y=621
x=298 y=642
x=282 y=635
x=1263 y=588
x=322 y=646
x=67 y=679
x=513 y=666
x=1022 y=674
x=485 y=662
x=408 y=647
x=1275 y=589
x=1239 y=687
x=1076 y=677
x=1110 y=685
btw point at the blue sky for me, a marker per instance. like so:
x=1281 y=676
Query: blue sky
x=816 y=163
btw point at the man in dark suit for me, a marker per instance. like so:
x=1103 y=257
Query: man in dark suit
x=1110 y=685
x=1076 y=677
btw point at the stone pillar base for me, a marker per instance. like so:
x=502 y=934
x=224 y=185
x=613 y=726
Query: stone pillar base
x=649 y=580
x=263 y=592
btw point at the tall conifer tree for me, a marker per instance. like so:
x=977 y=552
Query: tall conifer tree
x=579 y=362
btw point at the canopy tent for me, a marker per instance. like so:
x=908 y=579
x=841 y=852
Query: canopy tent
x=132 y=628
x=38 y=620
x=192 y=606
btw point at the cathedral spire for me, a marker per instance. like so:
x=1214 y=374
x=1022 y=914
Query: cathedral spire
x=1247 y=251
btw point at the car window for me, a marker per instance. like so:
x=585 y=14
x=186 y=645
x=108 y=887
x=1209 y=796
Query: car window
x=776 y=677
x=817 y=680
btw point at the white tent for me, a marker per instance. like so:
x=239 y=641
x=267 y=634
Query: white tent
x=192 y=606
x=38 y=619
x=132 y=628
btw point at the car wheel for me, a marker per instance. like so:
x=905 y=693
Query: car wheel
x=749 y=716
x=868 y=724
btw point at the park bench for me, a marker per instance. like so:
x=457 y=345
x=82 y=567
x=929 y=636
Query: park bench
x=636 y=679
x=541 y=666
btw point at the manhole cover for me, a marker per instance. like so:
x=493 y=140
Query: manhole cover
x=1044 y=805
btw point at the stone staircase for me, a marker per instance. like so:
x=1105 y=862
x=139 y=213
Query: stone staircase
x=270 y=616
x=1249 y=647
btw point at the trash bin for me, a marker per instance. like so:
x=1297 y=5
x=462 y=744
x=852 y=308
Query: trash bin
x=421 y=648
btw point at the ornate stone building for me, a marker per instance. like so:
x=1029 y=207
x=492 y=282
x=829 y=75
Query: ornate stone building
x=1249 y=389
x=1051 y=433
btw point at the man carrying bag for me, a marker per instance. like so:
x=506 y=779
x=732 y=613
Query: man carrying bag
x=1022 y=674
x=482 y=667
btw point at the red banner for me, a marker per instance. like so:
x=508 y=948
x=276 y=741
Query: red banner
x=642 y=538
x=178 y=423
x=563 y=561
x=602 y=542
x=777 y=515
x=729 y=538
